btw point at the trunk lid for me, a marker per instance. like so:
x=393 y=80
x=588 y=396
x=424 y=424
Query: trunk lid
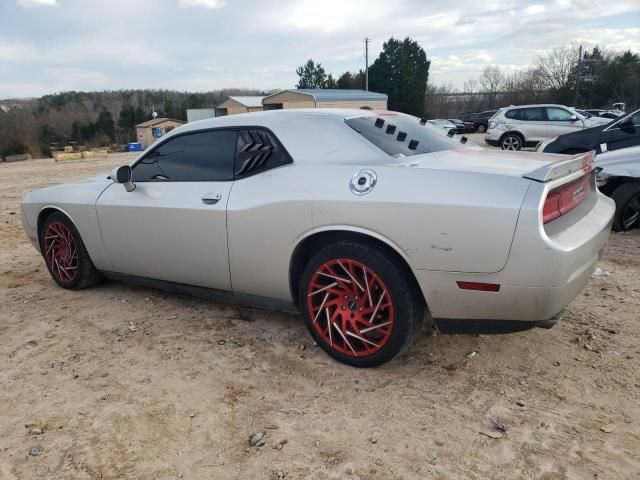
x=541 y=167
x=483 y=160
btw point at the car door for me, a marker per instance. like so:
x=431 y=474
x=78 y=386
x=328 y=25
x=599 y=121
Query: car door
x=623 y=136
x=173 y=225
x=561 y=121
x=533 y=123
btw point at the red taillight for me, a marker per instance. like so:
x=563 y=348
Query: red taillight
x=481 y=286
x=565 y=198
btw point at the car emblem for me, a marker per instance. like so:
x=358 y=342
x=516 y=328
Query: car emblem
x=578 y=191
x=363 y=182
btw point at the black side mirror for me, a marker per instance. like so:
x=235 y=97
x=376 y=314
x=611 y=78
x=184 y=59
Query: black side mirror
x=123 y=175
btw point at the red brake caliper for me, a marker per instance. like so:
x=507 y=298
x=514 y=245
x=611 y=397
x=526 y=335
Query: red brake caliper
x=350 y=307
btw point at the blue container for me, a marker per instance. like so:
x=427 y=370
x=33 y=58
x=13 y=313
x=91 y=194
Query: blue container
x=134 y=147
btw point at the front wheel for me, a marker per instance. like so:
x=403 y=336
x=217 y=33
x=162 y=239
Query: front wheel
x=511 y=142
x=359 y=304
x=482 y=129
x=627 y=198
x=65 y=254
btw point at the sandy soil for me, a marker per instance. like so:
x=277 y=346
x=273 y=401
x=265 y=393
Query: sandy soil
x=127 y=382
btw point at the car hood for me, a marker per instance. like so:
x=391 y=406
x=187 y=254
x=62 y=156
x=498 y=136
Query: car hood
x=483 y=160
x=596 y=121
x=625 y=162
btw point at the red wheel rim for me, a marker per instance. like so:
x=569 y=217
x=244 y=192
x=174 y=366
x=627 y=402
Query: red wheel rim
x=61 y=253
x=350 y=307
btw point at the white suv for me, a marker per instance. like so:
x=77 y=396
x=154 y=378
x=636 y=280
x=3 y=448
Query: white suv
x=512 y=128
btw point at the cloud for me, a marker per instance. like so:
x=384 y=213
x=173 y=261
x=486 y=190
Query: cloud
x=534 y=9
x=37 y=3
x=202 y=3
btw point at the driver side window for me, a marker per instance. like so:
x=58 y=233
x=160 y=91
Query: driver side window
x=161 y=164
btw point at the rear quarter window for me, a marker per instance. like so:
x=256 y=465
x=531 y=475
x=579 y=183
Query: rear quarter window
x=401 y=134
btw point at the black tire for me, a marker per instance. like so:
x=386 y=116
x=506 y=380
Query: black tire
x=627 y=198
x=482 y=128
x=86 y=273
x=404 y=297
x=511 y=141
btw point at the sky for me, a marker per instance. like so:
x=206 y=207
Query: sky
x=49 y=46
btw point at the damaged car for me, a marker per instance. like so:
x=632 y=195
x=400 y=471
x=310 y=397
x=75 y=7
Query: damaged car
x=618 y=176
x=360 y=220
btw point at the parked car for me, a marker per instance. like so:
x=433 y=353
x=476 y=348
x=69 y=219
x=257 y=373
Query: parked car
x=621 y=133
x=482 y=120
x=444 y=124
x=359 y=219
x=462 y=127
x=610 y=114
x=513 y=128
x=618 y=176
x=469 y=118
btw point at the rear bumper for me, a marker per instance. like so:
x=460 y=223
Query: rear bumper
x=466 y=325
x=540 y=279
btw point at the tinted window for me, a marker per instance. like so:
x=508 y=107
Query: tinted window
x=536 y=114
x=515 y=114
x=258 y=150
x=419 y=138
x=558 y=114
x=208 y=156
x=202 y=156
x=162 y=163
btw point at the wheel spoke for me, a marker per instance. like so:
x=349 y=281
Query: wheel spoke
x=345 y=339
x=350 y=275
x=323 y=289
x=324 y=300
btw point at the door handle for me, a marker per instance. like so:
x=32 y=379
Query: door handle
x=211 y=199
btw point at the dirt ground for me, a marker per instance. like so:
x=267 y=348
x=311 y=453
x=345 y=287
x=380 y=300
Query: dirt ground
x=126 y=382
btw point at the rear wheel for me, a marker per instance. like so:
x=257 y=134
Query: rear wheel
x=627 y=198
x=65 y=255
x=511 y=141
x=359 y=304
x=482 y=128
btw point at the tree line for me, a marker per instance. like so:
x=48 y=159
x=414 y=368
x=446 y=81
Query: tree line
x=597 y=79
x=93 y=118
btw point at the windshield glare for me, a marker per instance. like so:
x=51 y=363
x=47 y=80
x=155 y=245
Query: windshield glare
x=400 y=135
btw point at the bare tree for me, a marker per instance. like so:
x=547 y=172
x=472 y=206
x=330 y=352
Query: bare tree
x=557 y=70
x=492 y=81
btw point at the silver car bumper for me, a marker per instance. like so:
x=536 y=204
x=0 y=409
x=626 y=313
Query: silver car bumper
x=542 y=276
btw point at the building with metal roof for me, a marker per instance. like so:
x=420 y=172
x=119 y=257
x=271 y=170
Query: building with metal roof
x=151 y=130
x=239 y=104
x=325 y=98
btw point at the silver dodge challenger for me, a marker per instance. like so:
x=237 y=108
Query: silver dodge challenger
x=362 y=220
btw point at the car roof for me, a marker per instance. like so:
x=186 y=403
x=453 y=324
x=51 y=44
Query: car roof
x=538 y=105
x=266 y=117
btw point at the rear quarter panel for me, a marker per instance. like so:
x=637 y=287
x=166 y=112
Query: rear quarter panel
x=440 y=220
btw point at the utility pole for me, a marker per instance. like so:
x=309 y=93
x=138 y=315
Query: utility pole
x=366 y=63
x=575 y=101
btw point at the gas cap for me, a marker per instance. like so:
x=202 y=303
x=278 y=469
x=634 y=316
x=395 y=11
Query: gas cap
x=363 y=182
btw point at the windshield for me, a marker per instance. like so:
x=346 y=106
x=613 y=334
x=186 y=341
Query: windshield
x=401 y=134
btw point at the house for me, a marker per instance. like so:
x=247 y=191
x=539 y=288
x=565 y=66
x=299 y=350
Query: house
x=151 y=130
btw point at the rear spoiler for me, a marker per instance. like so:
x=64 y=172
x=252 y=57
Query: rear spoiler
x=582 y=161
